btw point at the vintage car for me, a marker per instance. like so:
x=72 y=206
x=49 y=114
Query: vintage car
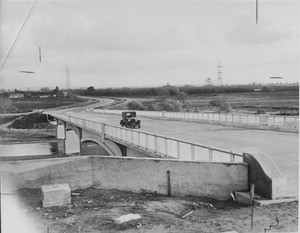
x=129 y=120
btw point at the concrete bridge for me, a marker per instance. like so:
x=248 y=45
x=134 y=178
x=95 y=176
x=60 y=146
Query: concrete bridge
x=120 y=142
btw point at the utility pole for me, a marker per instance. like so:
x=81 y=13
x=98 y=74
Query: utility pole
x=40 y=54
x=68 y=87
x=256 y=11
x=219 y=82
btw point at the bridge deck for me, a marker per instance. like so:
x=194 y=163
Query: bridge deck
x=281 y=146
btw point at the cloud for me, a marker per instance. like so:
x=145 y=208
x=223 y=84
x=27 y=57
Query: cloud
x=252 y=34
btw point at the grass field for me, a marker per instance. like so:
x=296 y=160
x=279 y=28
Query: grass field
x=268 y=101
x=28 y=104
x=272 y=102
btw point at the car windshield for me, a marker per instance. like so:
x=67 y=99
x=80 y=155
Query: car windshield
x=129 y=114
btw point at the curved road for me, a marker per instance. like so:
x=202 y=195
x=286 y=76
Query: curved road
x=281 y=146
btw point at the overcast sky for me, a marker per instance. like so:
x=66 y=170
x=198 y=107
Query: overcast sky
x=148 y=43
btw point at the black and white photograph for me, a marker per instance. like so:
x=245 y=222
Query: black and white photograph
x=149 y=116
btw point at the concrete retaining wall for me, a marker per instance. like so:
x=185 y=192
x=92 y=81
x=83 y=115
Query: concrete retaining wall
x=75 y=171
x=209 y=179
x=215 y=180
x=269 y=181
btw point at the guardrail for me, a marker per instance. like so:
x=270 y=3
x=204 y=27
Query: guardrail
x=161 y=145
x=262 y=120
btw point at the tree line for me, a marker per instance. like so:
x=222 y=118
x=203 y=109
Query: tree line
x=175 y=91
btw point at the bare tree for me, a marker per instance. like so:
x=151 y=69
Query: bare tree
x=220 y=105
x=6 y=103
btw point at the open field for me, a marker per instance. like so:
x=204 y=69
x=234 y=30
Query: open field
x=23 y=105
x=268 y=101
x=250 y=102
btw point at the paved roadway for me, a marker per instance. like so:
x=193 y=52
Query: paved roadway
x=281 y=146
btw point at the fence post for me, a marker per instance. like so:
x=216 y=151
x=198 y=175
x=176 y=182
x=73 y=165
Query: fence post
x=178 y=150
x=169 y=183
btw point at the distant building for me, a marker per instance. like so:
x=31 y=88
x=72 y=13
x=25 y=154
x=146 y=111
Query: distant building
x=44 y=96
x=257 y=90
x=16 y=96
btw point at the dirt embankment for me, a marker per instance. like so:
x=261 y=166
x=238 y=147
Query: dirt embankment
x=25 y=128
x=99 y=210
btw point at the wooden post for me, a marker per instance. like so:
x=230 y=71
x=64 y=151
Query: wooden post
x=252 y=202
x=169 y=183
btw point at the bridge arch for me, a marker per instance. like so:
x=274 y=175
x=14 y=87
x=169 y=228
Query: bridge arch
x=110 y=147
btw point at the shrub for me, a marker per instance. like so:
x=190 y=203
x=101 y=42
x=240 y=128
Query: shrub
x=133 y=105
x=169 y=105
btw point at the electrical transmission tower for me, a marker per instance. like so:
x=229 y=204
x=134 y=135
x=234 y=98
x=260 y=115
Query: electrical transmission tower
x=219 y=74
x=68 y=79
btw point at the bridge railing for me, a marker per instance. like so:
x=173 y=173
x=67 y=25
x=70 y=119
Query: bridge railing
x=161 y=145
x=264 y=120
x=171 y=147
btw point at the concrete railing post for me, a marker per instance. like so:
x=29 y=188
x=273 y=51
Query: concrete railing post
x=210 y=156
x=155 y=143
x=103 y=131
x=263 y=119
x=192 y=152
x=65 y=139
x=139 y=139
x=178 y=150
x=166 y=146
x=80 y=137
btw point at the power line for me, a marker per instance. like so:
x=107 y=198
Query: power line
x=17 y=36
